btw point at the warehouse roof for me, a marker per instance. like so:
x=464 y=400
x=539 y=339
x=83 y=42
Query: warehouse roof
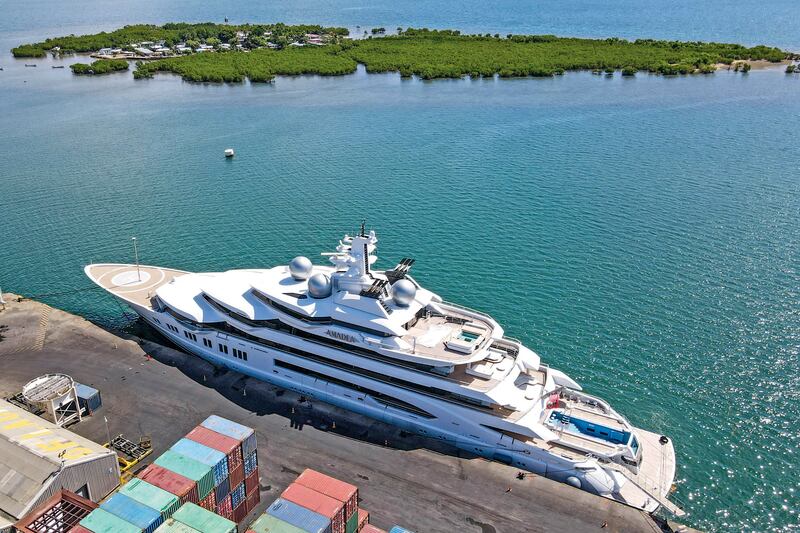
x=32 y=450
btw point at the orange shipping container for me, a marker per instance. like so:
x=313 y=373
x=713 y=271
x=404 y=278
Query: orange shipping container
x=328 y=507
x=330 y=486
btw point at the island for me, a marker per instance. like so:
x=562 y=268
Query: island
x=210 y=52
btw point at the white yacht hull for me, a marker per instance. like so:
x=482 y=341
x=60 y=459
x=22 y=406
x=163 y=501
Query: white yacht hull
x=469 y=435
x=317 y=359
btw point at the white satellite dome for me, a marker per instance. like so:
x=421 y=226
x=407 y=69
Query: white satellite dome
x=300 y=267
x=403 y=292
x=319 y=286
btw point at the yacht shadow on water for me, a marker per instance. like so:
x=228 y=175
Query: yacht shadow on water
x=262 y=398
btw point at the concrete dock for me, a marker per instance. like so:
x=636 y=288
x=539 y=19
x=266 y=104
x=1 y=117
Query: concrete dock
x=423 y=485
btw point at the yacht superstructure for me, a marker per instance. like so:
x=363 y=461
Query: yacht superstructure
x=378 y=343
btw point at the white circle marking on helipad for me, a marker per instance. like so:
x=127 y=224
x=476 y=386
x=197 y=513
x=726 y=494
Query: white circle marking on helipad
x=130 y=278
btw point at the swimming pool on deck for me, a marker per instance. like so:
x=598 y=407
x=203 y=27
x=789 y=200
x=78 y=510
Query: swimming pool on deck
x=598 y=431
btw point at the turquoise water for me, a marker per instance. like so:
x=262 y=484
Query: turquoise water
x=640 y=234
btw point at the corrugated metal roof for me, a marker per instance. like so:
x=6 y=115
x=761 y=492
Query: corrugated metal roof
x=31 y=451
x=45 y=439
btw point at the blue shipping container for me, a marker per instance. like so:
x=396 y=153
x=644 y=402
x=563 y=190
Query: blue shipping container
x=222 y=490
x=398 y=529
x=203 y=454
x=250 y=463
x=133 y=512
x=299 y=516
x=237 y=495
x=88 y=398
x=243 y=434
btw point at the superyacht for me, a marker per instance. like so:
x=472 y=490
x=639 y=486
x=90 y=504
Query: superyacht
x=376 y=342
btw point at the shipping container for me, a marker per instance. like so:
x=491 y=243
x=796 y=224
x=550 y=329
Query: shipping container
x=329 y=486
x=209 y=502
x=231 y=447
x=238 y=495
x=202 y=474
x=202 y=520
x=240 y=513
x=243 y=434
x=299 y=516
x=145 y=518
x=369 y=528
x=173 y=526
x=182 y=487
x=222 y=490
x=250 y=463
x=252 y=500
x=225 y=508
x=100 y=521
x=77 y=528
x=151 y=496
x=251 y=482
x=88 y=398
x=398 y=529
x=271 y=524
x=325 y=505
x=208 y=456
x=363 y=518
x=351 y=526
x=237 y=475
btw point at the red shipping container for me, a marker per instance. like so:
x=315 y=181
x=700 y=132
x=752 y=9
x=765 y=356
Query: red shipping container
x=240 y=513
x=182 y=487
x=237 y=476
x=209 y=502
x=232 y=448
x=363 y=518
x=329 y=486
x=77 y=528
x=224 y=508
x=369 y=528
x=251 y=482
x=252 y=500
x=325 y=505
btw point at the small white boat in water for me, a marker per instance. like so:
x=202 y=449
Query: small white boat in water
x=229 y=152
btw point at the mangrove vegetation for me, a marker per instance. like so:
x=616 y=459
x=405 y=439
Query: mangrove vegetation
x=101 y=66
x=264 y=51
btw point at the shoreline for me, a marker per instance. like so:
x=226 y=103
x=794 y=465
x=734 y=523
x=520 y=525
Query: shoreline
x=259 y=53
x=400 y=473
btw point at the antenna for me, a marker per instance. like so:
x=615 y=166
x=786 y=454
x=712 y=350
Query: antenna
x=363 y=232
x=136 y=256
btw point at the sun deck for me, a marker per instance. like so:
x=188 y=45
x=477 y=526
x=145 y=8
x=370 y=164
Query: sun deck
x=136 y=285
x=456 y=337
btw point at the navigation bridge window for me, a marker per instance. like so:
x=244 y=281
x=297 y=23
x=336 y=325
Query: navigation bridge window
x=240 y=354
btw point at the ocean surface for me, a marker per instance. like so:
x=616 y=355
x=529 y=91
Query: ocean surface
x=640 y=234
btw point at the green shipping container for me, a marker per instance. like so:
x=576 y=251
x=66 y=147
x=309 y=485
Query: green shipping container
x=203 y=521
x=270 y=524
x=151 y=496
x=101 y=521
x=173 y=526
x=189 y=468
x=352 y=523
